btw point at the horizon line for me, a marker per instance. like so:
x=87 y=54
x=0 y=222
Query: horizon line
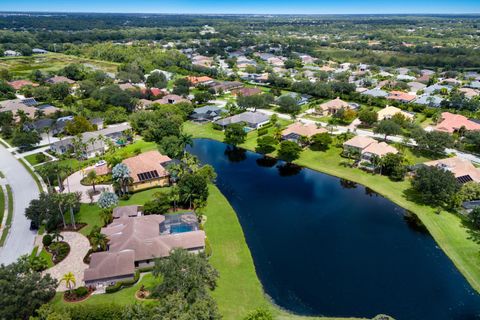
x=230 y=13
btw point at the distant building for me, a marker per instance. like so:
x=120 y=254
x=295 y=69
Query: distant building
x=332 y=107
x=463 y=170
x=454 y=122
x=253 y=120
x=59 y=79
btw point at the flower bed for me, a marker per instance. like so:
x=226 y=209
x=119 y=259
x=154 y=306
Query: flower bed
x=59 y=251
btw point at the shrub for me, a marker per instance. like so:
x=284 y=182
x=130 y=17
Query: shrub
x=262 y=131
x=125 y=197
x=40 y=157
x=59 y=250
x=120 y=284
x=81 y=292
x=47 y=240
x=259 y=314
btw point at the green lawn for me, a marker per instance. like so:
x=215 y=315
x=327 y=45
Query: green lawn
x=123 y=297
x=447 y=228
x=51 y=62
x=32 y=159
x=47 y=256
x=8 y=221
x=2 y=205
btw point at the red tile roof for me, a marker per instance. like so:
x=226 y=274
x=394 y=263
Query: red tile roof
x=453 y=122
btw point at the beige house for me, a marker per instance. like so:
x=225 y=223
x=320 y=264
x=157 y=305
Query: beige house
x=463 y=170
x=135 y=242
x=367 y=148
x=296 y=130
x=148 y=170
x=388 y=112
x=331 y=107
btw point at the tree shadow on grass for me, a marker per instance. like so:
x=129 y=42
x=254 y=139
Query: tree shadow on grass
x=473 y=234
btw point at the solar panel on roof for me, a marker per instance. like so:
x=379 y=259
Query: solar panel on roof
x=464 y=179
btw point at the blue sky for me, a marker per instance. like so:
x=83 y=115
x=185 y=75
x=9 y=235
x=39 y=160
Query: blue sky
x=246 y=6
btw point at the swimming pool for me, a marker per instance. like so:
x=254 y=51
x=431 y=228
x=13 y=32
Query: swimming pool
x=179 y=228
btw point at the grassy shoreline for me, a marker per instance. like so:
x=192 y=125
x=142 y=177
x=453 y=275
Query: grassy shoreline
x=446 y=228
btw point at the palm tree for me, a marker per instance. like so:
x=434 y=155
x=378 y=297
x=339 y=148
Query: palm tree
x=92 y=178
x=99 y=241
x=60 y=200
x=174 y=196
x=92 y=141
x=69 y=279
x=56 y=235
x=106 y=215
x=71 y=201
x=185 y=140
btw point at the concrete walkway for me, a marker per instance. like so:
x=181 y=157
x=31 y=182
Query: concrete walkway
x=72 y=184
x=79 y=246
x=20 y=239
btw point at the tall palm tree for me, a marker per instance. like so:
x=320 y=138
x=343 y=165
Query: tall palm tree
x=71 y=200
x=92 y=141
x=60 y=201
x=185 y=140
x=174 y=196
x=69 y=279
x=92 y=178
x=47 y=130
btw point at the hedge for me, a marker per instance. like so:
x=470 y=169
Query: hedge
x=121 y=284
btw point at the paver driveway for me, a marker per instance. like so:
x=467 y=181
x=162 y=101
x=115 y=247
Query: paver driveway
x=79 y=246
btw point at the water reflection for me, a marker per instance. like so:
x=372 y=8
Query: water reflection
x=235 y=154
x=266 y=161
x=288 y=169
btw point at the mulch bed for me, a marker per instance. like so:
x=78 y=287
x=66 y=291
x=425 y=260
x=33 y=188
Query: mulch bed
x=71 y=228
x=72 y=298
x=56 y=259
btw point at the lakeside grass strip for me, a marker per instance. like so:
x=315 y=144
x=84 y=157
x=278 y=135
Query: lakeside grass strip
x=34 y=176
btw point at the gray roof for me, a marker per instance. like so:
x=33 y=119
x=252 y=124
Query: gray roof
x=376 y=93
x=474 y=85
x=126 y=211
x=436 y=86
x=428 y=99
x=248 y=117
x=207 y=109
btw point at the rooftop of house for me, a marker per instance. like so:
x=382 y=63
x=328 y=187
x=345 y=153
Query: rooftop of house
x=360 y=142
x=171 y=99
x=126 y=211
x=452 y=122
x=147 y=166
x=460 y=167
x=60 y=79
x=246 y=91
x=306 y=130
x=390 y=111
x=379 y=149
x=104 y=265
x=197 y=80
x=336 y=103
x=248 y=117
x=19 y=84
x=401 y=96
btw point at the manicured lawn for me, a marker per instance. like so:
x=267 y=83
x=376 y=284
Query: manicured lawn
x=2 y=205
x=9 y=218
x=32 y=159
x=47 y=256
x=447 y=228
x=123 y=297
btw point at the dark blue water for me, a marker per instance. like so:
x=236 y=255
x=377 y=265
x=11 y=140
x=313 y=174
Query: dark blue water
x=323 y=246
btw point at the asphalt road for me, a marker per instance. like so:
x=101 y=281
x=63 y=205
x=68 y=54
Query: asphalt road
x=20 y=239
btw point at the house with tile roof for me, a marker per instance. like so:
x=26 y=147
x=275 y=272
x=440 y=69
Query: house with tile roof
x=454 y=122
x=135 y=241
x=389 y=111
x=148 y=170
x=297 y=130
x=463 y=170
x=332 y=107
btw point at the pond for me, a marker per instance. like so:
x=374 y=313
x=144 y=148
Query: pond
x=326 y=246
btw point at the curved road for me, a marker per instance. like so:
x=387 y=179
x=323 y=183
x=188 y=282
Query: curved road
x=20 y=239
